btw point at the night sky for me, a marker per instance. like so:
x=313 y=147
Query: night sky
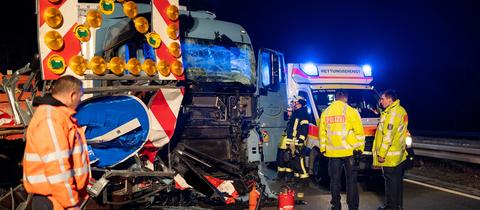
x=429 y=51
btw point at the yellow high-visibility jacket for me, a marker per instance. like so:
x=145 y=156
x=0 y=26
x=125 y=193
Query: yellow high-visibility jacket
x=341 y=130
x=390 y=137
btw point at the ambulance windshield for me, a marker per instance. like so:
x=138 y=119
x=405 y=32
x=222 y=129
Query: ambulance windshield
x=364 y=100
x=207 y=61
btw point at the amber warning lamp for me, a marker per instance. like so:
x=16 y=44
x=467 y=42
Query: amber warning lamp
x=53 y=17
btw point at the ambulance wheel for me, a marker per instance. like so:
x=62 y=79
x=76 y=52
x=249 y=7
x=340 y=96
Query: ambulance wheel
x=320 y=171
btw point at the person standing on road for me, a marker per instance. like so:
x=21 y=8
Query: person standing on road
x=297 y=133
x=284 y=170
x=56 y=167
x=389 y=148
x=342 y=140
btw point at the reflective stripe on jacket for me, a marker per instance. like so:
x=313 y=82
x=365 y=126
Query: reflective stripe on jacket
x=390 y=137
x=56 y=161
x=341 y=130
x=298 y=126
x=284 y=141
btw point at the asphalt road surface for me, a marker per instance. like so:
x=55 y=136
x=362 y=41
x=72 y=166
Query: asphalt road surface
x=417 y=196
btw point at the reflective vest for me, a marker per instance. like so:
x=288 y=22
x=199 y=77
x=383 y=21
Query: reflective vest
x=56 y=161
x=341 y=130
x=390 y=137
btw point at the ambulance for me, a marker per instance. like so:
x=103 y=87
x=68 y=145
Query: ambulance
x=317 y=83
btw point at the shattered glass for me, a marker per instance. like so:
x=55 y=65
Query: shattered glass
x=204 y=61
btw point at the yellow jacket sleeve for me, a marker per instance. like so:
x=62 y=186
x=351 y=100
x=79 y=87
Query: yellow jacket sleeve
x=323 y=133
x=390 y=126
x=357 y=126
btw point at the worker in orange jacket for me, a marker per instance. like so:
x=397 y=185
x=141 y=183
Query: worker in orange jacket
x=56 y=167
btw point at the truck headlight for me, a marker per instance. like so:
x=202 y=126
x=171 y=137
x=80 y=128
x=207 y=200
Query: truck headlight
x=408 y=141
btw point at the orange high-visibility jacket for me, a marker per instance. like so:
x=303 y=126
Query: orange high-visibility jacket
x=56 y=160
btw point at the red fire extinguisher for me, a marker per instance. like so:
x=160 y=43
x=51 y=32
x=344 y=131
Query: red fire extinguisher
x=286 y=199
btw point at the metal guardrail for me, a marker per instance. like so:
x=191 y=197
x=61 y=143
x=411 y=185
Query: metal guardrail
x=459 y=150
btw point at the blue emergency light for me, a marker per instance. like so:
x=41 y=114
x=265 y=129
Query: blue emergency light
x=310 y=69
x=367 y=70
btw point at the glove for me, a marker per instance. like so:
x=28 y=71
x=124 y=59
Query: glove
x=298 y=150
x=292 y=146
x=357 y=153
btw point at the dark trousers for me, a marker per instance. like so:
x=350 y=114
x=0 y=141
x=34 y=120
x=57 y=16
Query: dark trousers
x=284 y=166
x=393 y=186
x=40 y=202
x=299 y=168
x=299 y=164
x=335 y=168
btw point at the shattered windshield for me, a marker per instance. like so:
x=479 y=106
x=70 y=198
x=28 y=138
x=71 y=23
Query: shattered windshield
x=205 y=61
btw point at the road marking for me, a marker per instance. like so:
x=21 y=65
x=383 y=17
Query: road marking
x=443 y=189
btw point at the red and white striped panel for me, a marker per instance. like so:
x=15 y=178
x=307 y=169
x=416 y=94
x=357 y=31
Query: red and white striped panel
x=163 y=107
x=160 y=22
x=71 y=45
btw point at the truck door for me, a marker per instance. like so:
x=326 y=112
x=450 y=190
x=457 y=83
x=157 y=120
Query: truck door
x=272 y=102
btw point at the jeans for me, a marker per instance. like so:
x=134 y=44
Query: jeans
x=393 y=186
x=335 y=168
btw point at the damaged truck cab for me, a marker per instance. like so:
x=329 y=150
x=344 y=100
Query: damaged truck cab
x=196 y=83
x=220 y=105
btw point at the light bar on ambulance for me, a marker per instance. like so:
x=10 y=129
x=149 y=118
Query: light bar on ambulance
x=367 y=70
x=309 y=69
